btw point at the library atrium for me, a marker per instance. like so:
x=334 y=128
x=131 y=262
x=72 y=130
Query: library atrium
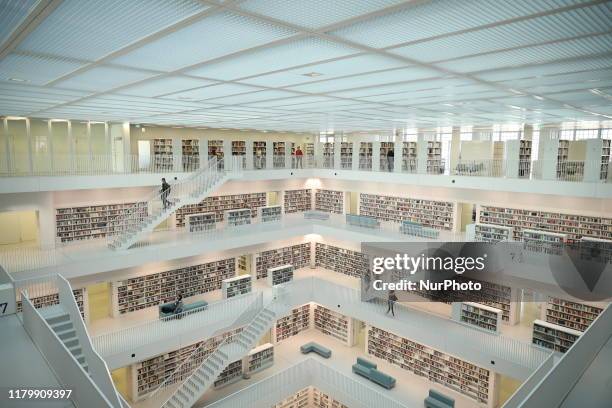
x=201 y=202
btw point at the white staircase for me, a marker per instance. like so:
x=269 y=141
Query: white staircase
x=60 y=322
x=233 y=349
x=130 y=226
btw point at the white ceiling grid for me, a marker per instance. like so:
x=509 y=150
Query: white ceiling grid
x=310 y=65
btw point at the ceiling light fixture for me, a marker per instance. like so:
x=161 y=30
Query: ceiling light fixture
x=538 y=97
x=312 y=74
x=18 y=80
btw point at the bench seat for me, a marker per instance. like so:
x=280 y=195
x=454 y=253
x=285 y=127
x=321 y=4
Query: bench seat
x=316 y=348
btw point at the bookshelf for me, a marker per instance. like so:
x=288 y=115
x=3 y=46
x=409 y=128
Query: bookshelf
x=385 y=147
x=329 y=201
x=150 y=373
x=242 y=263
x=468 y=379
x=562 y=156
x=429 y=213
x=524 y=158
x=238 y=148
x=293 y=324
x=297 y=200
x=238 y=285
x=238 y=217
x=271 y=213
x=296 y=255
x=163 y=159
x=231 y=374
x=365 y=156
x=475 y=314
x=552 y=336
x=328 y=155
x=279 y=155
x=574 y=226
x=322 y=400
x=259 y=155
x=541 y=241
x=190 y=154
x=434 y=157
x=341 y=260
x=409 y=157
x=258 y=359
x=219 y=204
x=151 y=290
x=573 y=315
x=346 y=155
x=51 y=299
x=300 y=399
x=93 y=221
x=605 y=159
x=200 y=222
x=215 y=149
x=280 y=275
x=333 y=324
x=492 y=233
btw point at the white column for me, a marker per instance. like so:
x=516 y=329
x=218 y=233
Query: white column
x=355 y=158
x=127 y=147
x=398 y=150
x=313 y=254
x=337 y=154
x=515 y=299
x=592 y=160
x=203 y=150
x=269 y=154
x=455 y=148
x=177 y=153
x=249 y=154
x=376 y=156
x=288 y=157
x=7 y=147
x=548 y=150
x=227 y=153
x=484 y=133
x=422 y=153
x=30 y=147
x=50 y=143
x=70 y=144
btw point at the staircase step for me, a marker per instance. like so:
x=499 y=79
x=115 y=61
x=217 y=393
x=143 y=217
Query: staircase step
x=66 y=334
x=62 y=326
x=51 y=311
x=60 y=317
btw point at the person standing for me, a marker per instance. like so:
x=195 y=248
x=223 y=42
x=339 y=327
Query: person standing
x=165 y=191
x=293 y=158
x=391 y=302
x=298 y=158
x=390 y=159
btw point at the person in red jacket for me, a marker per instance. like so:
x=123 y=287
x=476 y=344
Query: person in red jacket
x=298 y=157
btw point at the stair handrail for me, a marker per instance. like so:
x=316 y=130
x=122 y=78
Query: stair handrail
x=195 y=183
x=98 y=370
x=257 y=305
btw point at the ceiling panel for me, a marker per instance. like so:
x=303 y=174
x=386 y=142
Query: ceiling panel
x=253 y=97
x=210 y=38
x=292 y=54
x=103 y=78
x=214 y=91
x=315 y=13
x=437 y=17
x=165 y=85
x=34 y=69
x=12 y=13
x=91 y=29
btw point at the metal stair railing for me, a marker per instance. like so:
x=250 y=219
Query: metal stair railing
x=192 y=362
x=160 y=204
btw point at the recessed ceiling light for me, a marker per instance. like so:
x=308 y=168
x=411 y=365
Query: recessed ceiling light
x=538 y=97
x=18 y=80
x=312 y=74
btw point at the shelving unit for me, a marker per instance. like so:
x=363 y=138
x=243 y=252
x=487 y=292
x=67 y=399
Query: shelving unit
x=541 y=241
x=429 y=213
x=271 y=213
x=573 y=315
x=149 y=374
x=385 y=147
x=309 y=149
x=151 y=290
x=296 y=255
x=238 y=148
x=524 y=158
x=279 y=155
x=552 y=336
x=329 y=201
x=220 y=204
x=200 y=222
x=605 y=159
x=238 y=285
x=190 y=154
x=51 y=299
x=434 y=158
x=258 y=359
x=365 y=156
x=475 y=314
x=163 y=159
x=242 y=263
x=332 y=324
x=280 y=275
x=215 y=149
x=468 y=379
x=328 y=155
x=492 y=233
x=574 y=226
x=322 y=400
x=293 y=324
x=231 y=374
x=93 y=221
x=297 y=200
x=341 y=260
x=259 y=160
x=409 y=157
x=238 y=217
x=300 y=399
x=562 y=157
x=346 y=155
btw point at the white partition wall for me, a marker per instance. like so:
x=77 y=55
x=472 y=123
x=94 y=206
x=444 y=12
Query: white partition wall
x=269 y=154
x=249 y=155
x=355 y=162
x=376 y=156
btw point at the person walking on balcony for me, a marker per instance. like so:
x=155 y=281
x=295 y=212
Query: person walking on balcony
x=258 y=159
x=391 y=302
x=298 y=158
x=293 y=158
x=165 y=192
x=390 y=159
